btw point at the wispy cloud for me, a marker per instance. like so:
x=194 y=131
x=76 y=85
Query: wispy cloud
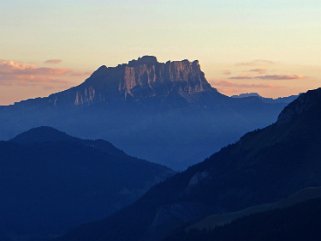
x=258 y=70
x=53 y=61
x=22 y=74
x=268 y=77
x=230 y=84
x=241 y=77
x=232 y=88
x=280 y=77
x=256 y=62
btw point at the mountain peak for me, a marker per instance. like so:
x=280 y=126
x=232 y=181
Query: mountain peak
x=42 y=134
x=102 y=68
x=143 y=60
x=100 y=72
x=141 y=79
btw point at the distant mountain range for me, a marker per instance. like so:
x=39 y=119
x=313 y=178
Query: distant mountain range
x=163 y=112
x=264 y=166
x=52 y=182
x=285 y=100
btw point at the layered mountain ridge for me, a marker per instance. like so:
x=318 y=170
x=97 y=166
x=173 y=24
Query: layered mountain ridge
x=163 y=112
x=264 y=166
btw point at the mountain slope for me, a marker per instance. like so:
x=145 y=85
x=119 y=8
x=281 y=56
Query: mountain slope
x=294 y=223
x=164 y=112
x=218 y=220
x=51 y=182
x=263 y=166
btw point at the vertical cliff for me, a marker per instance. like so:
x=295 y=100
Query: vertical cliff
x=140 y=79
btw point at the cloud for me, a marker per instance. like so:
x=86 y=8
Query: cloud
x=241 y=77
x=280 y=77
x=258 y=70
x=232 y=88
x=21 y=74
x=53 y=61
x=256 y=62
x=268 y=77
x=230 y=84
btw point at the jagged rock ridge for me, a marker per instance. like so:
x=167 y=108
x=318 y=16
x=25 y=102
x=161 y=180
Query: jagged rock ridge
x=137 y=80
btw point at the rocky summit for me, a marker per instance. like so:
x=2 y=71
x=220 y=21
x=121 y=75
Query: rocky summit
x=138 y=80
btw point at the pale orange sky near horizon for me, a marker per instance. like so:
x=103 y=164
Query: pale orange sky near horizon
x=21 y=80
x=271 y=47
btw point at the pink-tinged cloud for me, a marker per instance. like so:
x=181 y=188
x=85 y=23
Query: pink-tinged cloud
x=258 y=70
x=53 y=61
x=241 y=77
x=232 y=88
x=230 y=84
x=268 y=77
x=21 y=74
x=256 y=63
x=280 y=77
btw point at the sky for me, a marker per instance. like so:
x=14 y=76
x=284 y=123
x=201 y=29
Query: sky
x=272 y=47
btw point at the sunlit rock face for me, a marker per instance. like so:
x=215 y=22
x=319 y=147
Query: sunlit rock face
x=137 y=80
x=162 y=78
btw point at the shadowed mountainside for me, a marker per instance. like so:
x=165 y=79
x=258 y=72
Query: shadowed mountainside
x=263 y=166
x=294 y=223
x=51 y=182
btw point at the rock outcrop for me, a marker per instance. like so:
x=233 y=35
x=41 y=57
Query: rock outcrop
x=137 y=80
